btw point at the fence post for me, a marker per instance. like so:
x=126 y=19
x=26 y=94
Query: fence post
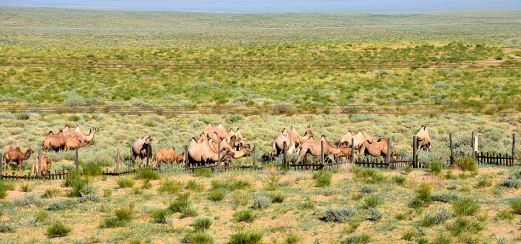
x=352 y=150
x=513 y=149
x=1 y=165
x=186 y=157
x=254 y=156
x=414 y=147
x=388 y=154
x=76 y=160
x=322 y=151
x=472 y=145
x=218 y=153
x=284 y=153
x=148 y=154
x=451 y=146
x=39 y=166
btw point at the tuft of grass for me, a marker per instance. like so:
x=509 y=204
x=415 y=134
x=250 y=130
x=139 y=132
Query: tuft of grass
x=467 y=163
x=341 y=215
x=292 y=238
x=465 y=206
x=50 y=193
x=434 y=218
x=246 y=237
x=147 y=174
x=198 y=237
x=399 y=180
x=372 y=201
x=464 y=225
x=125 y=182
x=194 y=186
x=160 y=216
x=202 y=223
x=217 y=195
x=58 y=229
x=122 y=216
x=515 y=205
x=322 y=178
x=240 y=199
x=4 y=187
x=146 y=184
x=92 y=169
x=26 y=187
x=358 y=238
x=204 y=172
x=442 y=239
x=484 y=182
x=7 y=228
x=62 y=205
x=422 y=196
x=41 y=216
x=407 y=169
x=180 y=203
x=245 y=215
x=277 y=197
x=170 y=187
x=435 y=167
x=261 y=202
x=368 y=175
x=505 y=214
x=107 y=192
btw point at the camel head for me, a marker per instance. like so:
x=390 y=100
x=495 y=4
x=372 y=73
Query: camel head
x=307 y=134
x=28 y=153
x=236 y=139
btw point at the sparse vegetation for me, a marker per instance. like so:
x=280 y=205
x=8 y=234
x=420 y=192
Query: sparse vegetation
x=58 y=229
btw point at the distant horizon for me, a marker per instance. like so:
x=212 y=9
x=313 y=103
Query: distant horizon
x=273 y=6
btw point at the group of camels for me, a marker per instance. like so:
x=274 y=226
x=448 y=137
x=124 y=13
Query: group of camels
x=217 y=144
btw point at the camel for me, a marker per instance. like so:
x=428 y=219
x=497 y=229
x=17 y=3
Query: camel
x=207 y=152
x=53 y=141
x=423 y=140
x=293 y=141
x=358 y=138
x=219 y=133
x=236 y=139
x=219 y=130
x=139 y=148
x=244 y=151
x=377 y=148
x=167 y=155
x=76 y=133
x=16 y=155
x=313 y=146
x=45 y=165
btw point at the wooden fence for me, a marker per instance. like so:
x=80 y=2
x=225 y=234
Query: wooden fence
x=486 y=158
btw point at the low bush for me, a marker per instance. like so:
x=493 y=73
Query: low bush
x=437 y=217
x=483 y=182
x=62 y=205
x=170 y=187
x=107 y=192
x=341 y=215
x=41 y=216
x=367 y=189
x=368 y=175
x=121 y=217
x=58 y=229
x=4 y=187
x=359 y=238
x=217 y=195
x=198 y=237
x=180 y=203
x=29 y=200
x=372 y=201
x=246 y=237
x=465 y=206
x=202 y=223
x=146 y=184
x=446 y=197
x=422 y=197
x=435 y=167
x=7 y=228
x=510 y=182
x=464 y=225
x=147 y=174
x=411 y=234
x=277 y=197
x=467 y=163
x=515 y=205
x=374 y=214
x=92 y=169
x=204 y=172
x=194 y=186
x=399 y=180
x=26 y=187
x=261 y=202
x=322 y=178
x=245 y=215
x=160 y=215
x=505 y=214
x=50 y=193
x=292 y=238
x=125 y=182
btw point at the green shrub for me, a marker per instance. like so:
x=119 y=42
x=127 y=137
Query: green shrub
x=435 y=167
x=367 y=189
x=180 y=203
x=217 y=195
x=170 y=187
x=399 y=180
x=446 y=197
x=160 y=215
x=307 y=203
x=26 y=187
x=434 y=218
x=76 y=181
x=411 y=234
x=122 y=217
x=374 y=214
x=464 y=225
x=194 y=186
x=50 y=193
x=322 y=178
x=137 y=191
x=202 y=223
x=246 y=237
x=245 y=215
x=277 y=197
x=372 y=201
x=146 y=184
x=359 y=238
x=41 y=216
x=442 y=239
x=368 y=175
x=72 y=178
x=422 y=196
x=465 y=206
x=240 y=199
x=58 y=229
x=203 y=172
x=125 y=182
x=7 y=228
x=29 y=200
x=147 y=174
x=292 y=238
x=510 y=182
x=505 y=214
x=341 y=215
x=92 y=169
x=483 y=182
x=261 y=202
x=198 y=237
x=467 y=163
x=4 y=187
x=515 y=205
x=62 y=205
x=107 y=192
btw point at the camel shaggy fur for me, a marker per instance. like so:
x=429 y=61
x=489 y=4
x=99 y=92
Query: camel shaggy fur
x=423 y=139
x=16 y=155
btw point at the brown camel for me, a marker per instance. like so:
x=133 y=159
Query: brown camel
x=207 y=152
x=293 y=141
x=139 y=148
x=45 y=165
x=423 y=140
x=377 y=148
x=167 y=155
x=54 y=142
x=313 y=146
x=79 y=135
x=359 y=139
x=16 y=155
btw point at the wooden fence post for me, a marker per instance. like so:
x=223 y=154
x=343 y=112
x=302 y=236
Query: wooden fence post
x=148 y=152
x=472 y=145
x=284 y=153
x=451 y=146
x=513 y=149
x=414 y=156
x=186 y=157
x=218 y=153
x=77 y=160
x=322 y=151
x=352 y=150
x=1 y=165
x=254 y=156
x=388 y=154
x=39 y=166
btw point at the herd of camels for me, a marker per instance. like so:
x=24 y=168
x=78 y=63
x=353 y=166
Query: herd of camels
x=217 y=144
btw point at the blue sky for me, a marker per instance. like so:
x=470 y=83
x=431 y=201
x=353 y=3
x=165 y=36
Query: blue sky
x=256 y=6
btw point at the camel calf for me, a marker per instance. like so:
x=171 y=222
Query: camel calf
x=45 y=165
